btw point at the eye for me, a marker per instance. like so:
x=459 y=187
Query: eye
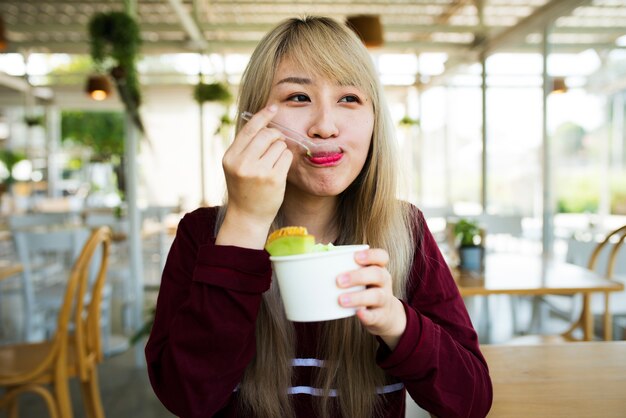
x=299 y=98
x=350 y=99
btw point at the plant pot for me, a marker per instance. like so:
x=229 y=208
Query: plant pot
x=471 y=258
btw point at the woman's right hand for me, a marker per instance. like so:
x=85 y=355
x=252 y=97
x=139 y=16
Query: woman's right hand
x=256 y=166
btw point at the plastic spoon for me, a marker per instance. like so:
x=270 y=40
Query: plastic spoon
x=311 y=147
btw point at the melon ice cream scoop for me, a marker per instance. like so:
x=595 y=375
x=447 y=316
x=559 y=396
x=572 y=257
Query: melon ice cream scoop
x=292 y=240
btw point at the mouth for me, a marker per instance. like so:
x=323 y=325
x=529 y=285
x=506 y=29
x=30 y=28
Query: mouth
x=326 y=158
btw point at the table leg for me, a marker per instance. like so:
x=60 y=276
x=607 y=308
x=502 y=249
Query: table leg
x=486 y=322
x=587 y=316
x=608 y=323
x=539 y=312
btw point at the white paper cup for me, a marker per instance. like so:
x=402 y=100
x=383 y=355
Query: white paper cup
x=308 y=283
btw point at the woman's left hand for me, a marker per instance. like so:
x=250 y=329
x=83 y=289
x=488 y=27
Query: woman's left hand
x=379 y=310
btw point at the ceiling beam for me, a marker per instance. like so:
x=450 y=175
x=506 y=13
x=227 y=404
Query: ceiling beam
x=189 y=24
x=23 y=28
x=536 y=21
x=508 y=38
x=450 y=11
x=161 y=47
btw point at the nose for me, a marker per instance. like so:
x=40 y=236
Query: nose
x=323 y=125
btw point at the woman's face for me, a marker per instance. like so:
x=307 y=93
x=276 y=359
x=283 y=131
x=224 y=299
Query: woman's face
x=323 y=111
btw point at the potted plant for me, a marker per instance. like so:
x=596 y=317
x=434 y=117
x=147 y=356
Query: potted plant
x=469 y=243
x=408 y=121
x=34 y=120
x=213 y=92
x=115 y=39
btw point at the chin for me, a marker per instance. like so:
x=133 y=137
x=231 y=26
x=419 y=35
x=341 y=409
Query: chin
x=319 y=188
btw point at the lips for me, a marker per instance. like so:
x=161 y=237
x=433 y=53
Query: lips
x=326 y=158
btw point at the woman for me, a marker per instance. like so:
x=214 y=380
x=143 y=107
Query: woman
x=221 y=345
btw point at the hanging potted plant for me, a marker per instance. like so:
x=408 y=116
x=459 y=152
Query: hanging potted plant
x=34 y=120
x=115 y=40
x=469 y=242
x=408 y=121
x=213 y=92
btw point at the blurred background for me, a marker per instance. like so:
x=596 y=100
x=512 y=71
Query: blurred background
x=509 y=113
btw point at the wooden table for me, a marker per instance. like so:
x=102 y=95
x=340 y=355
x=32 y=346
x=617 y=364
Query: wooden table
x=514 y=274
x=585 y=379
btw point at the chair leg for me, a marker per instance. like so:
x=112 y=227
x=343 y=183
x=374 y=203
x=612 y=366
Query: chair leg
x=14 y=408
x=11 y=399
x=91 y=395
x=47 y=398
x=62 y=392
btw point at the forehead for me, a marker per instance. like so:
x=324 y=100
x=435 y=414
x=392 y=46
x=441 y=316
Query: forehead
x=299 y=72
x=287 y=68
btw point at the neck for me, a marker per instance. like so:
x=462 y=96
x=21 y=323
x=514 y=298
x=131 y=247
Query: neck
x=315 y=213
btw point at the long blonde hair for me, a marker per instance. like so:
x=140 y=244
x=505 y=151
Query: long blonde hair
x=368 y=212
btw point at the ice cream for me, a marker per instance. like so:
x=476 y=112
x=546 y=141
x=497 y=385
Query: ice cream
x=307 y=274
x=293 y=240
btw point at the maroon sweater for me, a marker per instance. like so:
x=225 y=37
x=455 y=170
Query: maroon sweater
x=204 y=333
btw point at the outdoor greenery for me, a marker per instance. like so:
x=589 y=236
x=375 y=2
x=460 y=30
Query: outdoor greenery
x=579 y=192
x=9 y=158
x=72 y=72
x=102 y=132
x=618 y=195
x=569 y=140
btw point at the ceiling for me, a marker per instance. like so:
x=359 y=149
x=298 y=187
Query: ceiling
x=462 y=28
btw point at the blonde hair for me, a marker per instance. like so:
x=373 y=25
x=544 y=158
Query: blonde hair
x=368 y=212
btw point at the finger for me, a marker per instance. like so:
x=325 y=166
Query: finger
x=272 y=154
x=366 y=276
x=370 y=298
x=367 y=317
x=253 y=157
x=261 y=142
x=373 y=256
x=281 y=168
x=253 y=126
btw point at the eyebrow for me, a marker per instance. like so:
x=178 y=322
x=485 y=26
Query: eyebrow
x=295 y=80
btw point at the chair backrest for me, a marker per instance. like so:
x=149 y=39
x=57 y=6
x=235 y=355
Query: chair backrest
x=38 y=219
x=46 y=254
x=79 y=313
x=116 y=223
x=615 y=239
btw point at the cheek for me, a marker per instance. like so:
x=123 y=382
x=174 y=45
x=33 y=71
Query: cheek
x=363 y=140
x=362 y=130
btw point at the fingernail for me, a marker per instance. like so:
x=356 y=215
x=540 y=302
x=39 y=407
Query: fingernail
x=343 y=279
x=345 y=299
x=360 y=255
x=272 y=108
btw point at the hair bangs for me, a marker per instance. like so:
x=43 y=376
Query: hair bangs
x=316 y=47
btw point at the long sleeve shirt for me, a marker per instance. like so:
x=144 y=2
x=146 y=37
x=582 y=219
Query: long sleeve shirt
x=203 y=335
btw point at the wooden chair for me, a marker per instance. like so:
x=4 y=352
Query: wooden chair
x=612 y=243
x=75 y=349
x=46 y=255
